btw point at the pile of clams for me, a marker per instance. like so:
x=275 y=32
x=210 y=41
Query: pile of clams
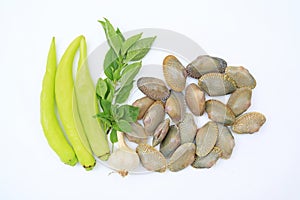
x=169 y=108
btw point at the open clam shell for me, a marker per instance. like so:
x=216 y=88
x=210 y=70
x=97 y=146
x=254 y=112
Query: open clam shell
x=160 y=132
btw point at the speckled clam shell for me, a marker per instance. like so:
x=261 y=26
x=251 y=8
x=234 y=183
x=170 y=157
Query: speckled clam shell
x=182 y=157
x=240 y=100
x=187 y=129
x=153 y=117
x=171 y=142
x=174 y=73
x=205 y=64
x=137 y=134
x=160 y=132
x=225 y=141
x=206 y=138
x=209 y=160
x=151 y=159
x=241 y=76
x=216 y=84
x=154 y=88
x=195 y=99
x=175 y=106
x=249 y=122
x=219 y=112
x=143 y=104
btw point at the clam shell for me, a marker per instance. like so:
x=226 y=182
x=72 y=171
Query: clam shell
x=182 y=157
x=153 y=117
x=143 y=104
x=241 y=76
x=187 y=129
x=175 y=106
x=160 y=132
x=151 y=159
x=195 y=99
x=171 y=142
x=249 y=122
x=205 y=64
x=240 y=100
x=174 y=73
x=209 y=160
x=206 y=138
x=137 y=134
x=154 y=88
x=216 y=84
x=219 y=112
x=225 y=141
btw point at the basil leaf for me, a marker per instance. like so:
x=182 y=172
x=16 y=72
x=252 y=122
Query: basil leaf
x=106 y=106
x=120 y=34
x=114 y=39
x=124 y=126
x=131 y=67
x=111 y=90
x=110 y=63
x=139 y=49
x=117 y=74
x=123 y=93
x=101 y=88
x=129 y=42
x=130 y=113
x=113 y=136
x=104 y=118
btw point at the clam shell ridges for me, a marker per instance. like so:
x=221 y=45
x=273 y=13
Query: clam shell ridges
x=219 y=112
x=240 y=100
x=225 y=141
x=154 y=88
x=209 y=160
x=206 y=138
x=241 y=76
x=175 y=106
x=182 y=157
x=249 y=122
x=195 y=99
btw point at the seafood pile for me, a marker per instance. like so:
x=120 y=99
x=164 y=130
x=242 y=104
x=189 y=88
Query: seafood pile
x=168 y=110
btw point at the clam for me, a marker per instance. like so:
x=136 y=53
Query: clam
x=171 y=142
x=195 y=99
x=154 y=88
x=174 y=73
x=124 y=159
x=216 y=84
x=240 y=100
x=249 y=122
x=205 y=64
x=209 y=160
x=206 y=138
x=182 y=157
x=175 y=106
x=153 y=117
x=225 y=141
x=151 y=159
x=143 y=104
x=137 y=134
x=241 y=76
x=219 y=112
x=160 y=132
x=187 y=129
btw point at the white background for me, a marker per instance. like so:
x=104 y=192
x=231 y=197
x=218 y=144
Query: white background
x=261 y=35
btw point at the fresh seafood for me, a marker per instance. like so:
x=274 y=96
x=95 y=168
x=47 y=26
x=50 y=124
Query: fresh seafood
x=241 y=76
x=240 y=100
x=171 y=142
x=206 y=138
x=151 y=159
x=205 y=64
x=160 y=132
x=187 y=129
x=209 y=160
x=153 y=117
x=137 y=134
x=174 y=73
x=225 y=141
x=175 y=106
x=216 y=84
x=182 y=157
x=249 y=122
x=195 y=99
x=143 y=104
x=219 y=112
x=154 y=88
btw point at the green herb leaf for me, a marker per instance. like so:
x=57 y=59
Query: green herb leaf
x=129 y=42
x=113 y=136
x=101 y=88
x=139 y=49
x=120 y=34
x=110 y=63
x=123 y=93
x=130 y=113
x=106 y=106
x=105 y=118
x=124 y=126
x=111 y=90
x=114 y=39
